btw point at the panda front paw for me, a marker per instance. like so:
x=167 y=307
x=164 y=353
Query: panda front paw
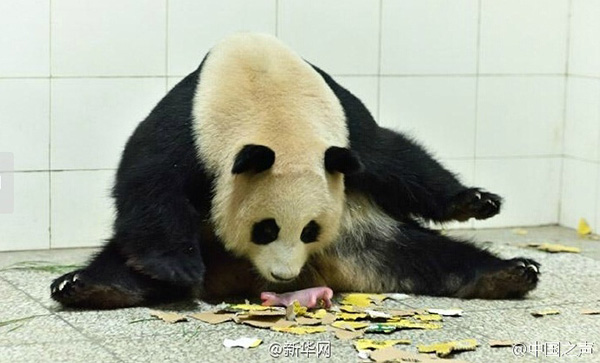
x=176 y=267
x=474 y=203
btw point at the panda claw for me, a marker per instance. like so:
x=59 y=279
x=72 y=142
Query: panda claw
x=62 y=285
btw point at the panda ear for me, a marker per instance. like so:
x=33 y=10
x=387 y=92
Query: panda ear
x=342 y=160
x=255 y=158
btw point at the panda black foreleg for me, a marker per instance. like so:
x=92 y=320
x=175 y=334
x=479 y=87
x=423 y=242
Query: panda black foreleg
x=401 y=176
x=108 y=283
x=162 y=242
x=404 y=179
x=157 y=224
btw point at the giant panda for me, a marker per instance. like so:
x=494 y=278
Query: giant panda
x=258 y=171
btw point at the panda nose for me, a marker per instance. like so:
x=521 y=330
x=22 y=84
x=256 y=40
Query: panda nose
x=282 y=278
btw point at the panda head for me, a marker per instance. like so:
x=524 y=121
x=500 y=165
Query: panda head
x=279 y=211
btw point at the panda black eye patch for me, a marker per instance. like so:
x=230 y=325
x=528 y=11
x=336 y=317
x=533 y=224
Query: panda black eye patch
x=265 y=231
x=310 y=232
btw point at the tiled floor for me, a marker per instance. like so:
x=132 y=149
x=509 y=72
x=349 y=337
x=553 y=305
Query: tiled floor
x=46 y=333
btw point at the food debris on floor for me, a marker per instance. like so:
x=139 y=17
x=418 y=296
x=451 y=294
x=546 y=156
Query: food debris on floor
x=444 y=349
x=242 y=342
x=496 y=343
x=356 y=315
x=167 y=316
x=542 y=313
x=554 y=248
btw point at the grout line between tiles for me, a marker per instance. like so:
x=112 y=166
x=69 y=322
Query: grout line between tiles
x=572 y=157
x=166 y=46
x=564 y=110
x=502 y=157
x=89 y=339
x=597 y=206
x=115 y=76
x=379 y=60
x=277 y=18
x=383 y=75
x=57 y=170
x=50 y=125
x=583 y=76
x=596 y=191
x=477 y=61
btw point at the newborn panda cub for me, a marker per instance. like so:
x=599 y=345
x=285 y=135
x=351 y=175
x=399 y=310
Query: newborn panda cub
x=258 y=172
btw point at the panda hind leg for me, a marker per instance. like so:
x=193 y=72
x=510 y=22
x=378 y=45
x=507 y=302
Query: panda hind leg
x=465 y=270
x=108 y=283
x=422 y=261
x=514 y=278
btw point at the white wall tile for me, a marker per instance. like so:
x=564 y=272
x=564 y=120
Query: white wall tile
x=108 y=37
x=523 y=36
x=579 y=189
x=584 y=57
x=520 y=116
x=429 y=37
x=529 y=186
x=82 y=211
x=24 y=38
x=582 y=125
x=93 y=118
x=596 y=224
x=25 y=115
x=339 y=36
x=365 y=88
x=438 y=111
x=195 y=26
x=27 y=228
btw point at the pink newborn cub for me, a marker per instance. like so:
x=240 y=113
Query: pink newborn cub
x=308 y=297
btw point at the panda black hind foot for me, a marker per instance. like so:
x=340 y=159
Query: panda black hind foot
x=77 y=289
x=474 y=203
x=512 y=279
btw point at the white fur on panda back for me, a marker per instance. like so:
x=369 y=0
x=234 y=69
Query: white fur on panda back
x=255 y=90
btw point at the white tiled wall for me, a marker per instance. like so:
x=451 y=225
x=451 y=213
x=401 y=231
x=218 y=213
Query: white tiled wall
x=102 y=113
x=194 y=26
x=523 y=37
x=581 y=169
x=449 y=28
x=340 y=36
x=81 y=216
x=406 y=104
x=25 y=38
x=505 y=93
x=108 y=38
x=520 y=116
